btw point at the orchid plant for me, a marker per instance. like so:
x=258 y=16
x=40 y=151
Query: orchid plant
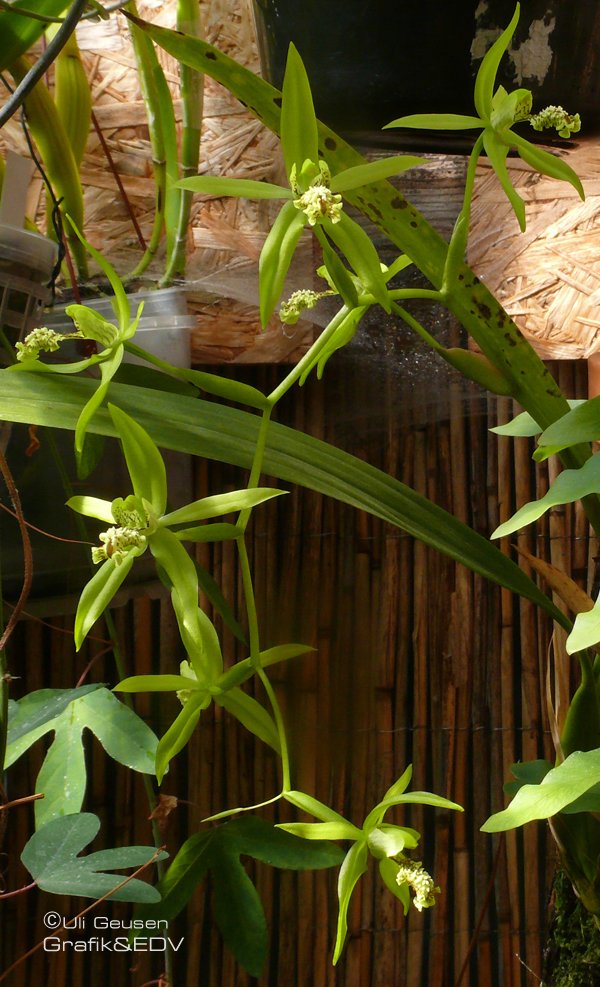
x=141 y=521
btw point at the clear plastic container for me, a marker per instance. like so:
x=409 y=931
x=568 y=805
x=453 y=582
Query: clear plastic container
x=164 y=327
x=27 y=261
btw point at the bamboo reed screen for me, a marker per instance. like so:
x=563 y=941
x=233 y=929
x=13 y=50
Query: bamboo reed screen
x=416 y=661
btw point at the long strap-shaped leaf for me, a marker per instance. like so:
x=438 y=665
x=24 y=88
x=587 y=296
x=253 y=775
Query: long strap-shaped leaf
x=229 y=435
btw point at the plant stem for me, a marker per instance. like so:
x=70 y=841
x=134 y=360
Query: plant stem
x=192 y=105
x=303 y=364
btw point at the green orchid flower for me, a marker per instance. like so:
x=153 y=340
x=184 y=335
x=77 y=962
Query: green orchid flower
x=141 y=521
x=357 y=301
x=88 y=325
x=383 y=841
x=221 y=687
x=498 y=110
x=314 y=197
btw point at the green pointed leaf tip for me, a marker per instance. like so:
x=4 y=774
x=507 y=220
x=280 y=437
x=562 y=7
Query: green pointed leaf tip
x=570 y=485
x=586 y=630
x=581 y=424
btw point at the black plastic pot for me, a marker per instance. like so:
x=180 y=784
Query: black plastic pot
x=370 y=61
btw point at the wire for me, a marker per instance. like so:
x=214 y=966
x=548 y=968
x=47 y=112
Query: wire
x=44 y=61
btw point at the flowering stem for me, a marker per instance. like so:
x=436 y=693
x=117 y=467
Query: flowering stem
x=255 y=658
x=296 y=373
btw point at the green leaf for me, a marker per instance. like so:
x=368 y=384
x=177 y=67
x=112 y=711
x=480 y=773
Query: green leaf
x=251 y=715
x=123 y=734
x=323 y=830
x=62 y=779
x=351 y=871
x=226 y=503
x=276 y=257
x=178 y=734
x=98 y=593
x=156 y=380
x=52 y=858
x=527 y=773
x=570 y=485
x=559 y=788
x=486 y=76
x=231 y=390
x=521 y=426
x=229 y=435
x=144 y=461
x=299 y=138
x=19 y=33
x=374 y=171
x=242 y=187
x=238 y=911
x=436 y=121
x=28 y=718
x=586 y=630
x=581 y=424
x=219 y=849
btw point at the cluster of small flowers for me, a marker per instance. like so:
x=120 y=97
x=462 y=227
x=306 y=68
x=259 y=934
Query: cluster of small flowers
x=319 y=202
x=40 y=339
x=291 y=310
x=116 y=543
x=554 y=117
x=413 y=873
